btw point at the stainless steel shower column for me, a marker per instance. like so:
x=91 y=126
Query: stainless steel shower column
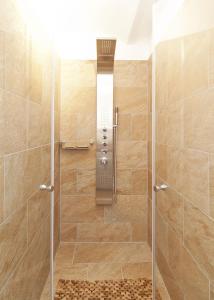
x=105 y=151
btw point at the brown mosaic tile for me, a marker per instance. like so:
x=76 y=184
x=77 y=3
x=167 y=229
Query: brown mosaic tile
x=127 y=289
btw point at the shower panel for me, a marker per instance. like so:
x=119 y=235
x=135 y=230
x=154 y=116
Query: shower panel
x=106 y=124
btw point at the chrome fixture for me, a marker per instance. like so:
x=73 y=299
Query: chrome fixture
x=105 y=150
x=161 y=187
x=104 y=160
x=48 y=188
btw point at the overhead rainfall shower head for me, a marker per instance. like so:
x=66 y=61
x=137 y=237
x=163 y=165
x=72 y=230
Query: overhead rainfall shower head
x=105 y=55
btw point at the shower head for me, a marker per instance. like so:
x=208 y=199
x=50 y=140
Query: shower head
x=105 y=55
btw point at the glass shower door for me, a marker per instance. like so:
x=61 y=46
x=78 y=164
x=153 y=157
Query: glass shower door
x=25 y=158
x=183 y=126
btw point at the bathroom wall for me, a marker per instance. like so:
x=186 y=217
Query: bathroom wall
x=25 y=89
x=81 y=219
x=185 y=151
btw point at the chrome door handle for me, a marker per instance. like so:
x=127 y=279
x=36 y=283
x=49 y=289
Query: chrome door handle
x=161 y=187
x=48 y=188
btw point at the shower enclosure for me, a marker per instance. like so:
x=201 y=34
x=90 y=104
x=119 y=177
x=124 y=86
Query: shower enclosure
x=165 y=161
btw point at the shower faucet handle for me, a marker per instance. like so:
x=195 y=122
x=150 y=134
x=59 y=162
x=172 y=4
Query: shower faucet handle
x=104 y=161
x=48 y=188
x=161 y=187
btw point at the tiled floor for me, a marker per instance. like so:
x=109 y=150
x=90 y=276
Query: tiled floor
x=100 y=261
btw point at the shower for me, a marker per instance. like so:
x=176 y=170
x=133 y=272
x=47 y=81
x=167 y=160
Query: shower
x=107 y=122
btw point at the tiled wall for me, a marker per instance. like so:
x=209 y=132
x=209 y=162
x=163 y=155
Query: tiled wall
x=24 y=158
x=185 y=151
x=81 y=219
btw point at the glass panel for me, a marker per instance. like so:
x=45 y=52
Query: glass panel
x=25 y=147
x=184 y=56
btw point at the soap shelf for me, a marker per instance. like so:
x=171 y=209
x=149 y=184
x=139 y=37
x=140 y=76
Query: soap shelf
x=74 y=145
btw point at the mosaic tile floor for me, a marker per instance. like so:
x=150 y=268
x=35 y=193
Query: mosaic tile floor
x=126 y=289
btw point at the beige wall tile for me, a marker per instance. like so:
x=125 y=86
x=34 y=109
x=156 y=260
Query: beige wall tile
x=16 y=80
x=195 y=65
x=13 y=237
x=68 y=182
x=68 y=232
x=80 y=209
x=128 y=208
x=68 y=126
x=10 y=16
x=195 y=283
x=150 y=184
x=139 y=127
x=211 y=184
x=170 y=205
x=173 y=162
x=139 y=182
x=36 y=72
x=198 y=121
x=1 y=189
x=13 y=134
x=150 y=222
x=86 y=181
x=131 y=99
x=78 y=159
x=78 y=99
x=23 y=172
x=124 y=128
x=56 y=226
x=28 y=280
x=174 y=72
x=161 y=76
x=194 y=179
x=79 y=73
x=161 y=162
x=130 y=73
x=162 y=236
x=46 y=163
x=38 y=210
x=86 y=126
x=2 y=56
x=38 y=124
x=211 y=57
x=115 y=232
x=212 y=291
x=174 y=260
x=199 y=237
x=129 y=155
x=169 y=279
x=124 y=181
x=161 y=127
x=140 y=229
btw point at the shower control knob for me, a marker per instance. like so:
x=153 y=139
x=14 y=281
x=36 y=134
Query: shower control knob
x=104 y=129
x=104 y=137
x=104 y=144
x=104 y=161
x=104 y=151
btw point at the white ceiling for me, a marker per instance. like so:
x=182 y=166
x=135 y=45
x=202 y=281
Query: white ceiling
x=80 y=22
